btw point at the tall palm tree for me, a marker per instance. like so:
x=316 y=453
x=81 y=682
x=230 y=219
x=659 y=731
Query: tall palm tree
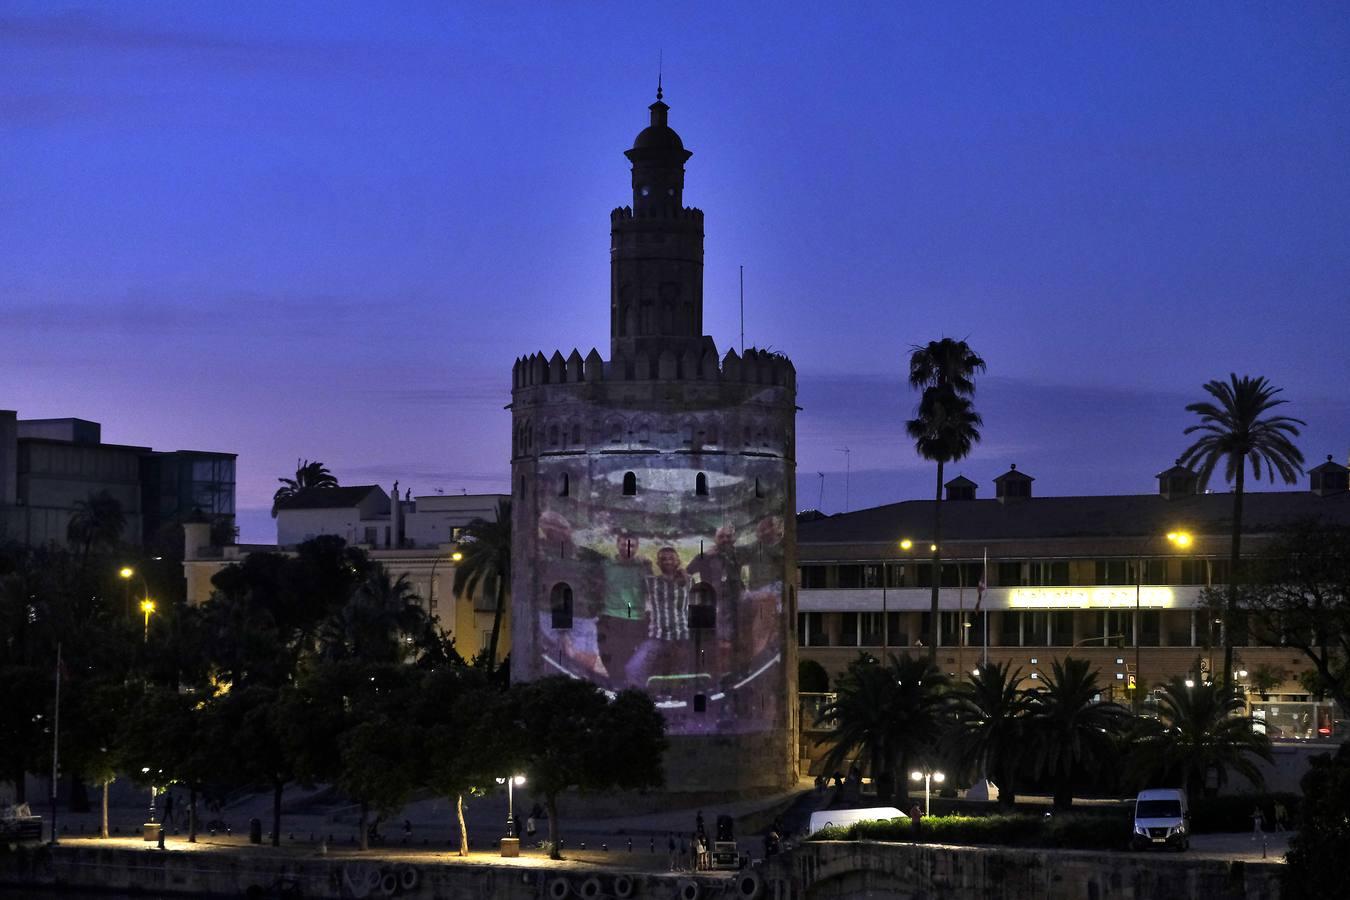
x=944 y=430
x=945 y=363
x=486 y=549
x=378 y=622
x=307 y=475
x=887 y=713
x=1233 y=431
x=1072 y=730
x=1200 y=730
x=98 y=519
x=990 y=727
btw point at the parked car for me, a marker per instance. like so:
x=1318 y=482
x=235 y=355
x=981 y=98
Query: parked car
x=17 y=823
x=1161 y=819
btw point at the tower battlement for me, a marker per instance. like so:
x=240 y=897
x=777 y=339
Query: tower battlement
x=758 y=367
x=683 y=214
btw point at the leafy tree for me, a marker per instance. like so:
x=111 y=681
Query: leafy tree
x=1299 y=597
x=990 y=727
x=1317 y=853
x=486 y=547
x=812 y=677
x=255 y=720
x=1073 y=730
x=1235 y=430
x=573 y=736
x=307 y=475
x=98 y=520
x=945 y=429
x=888 y=713
x=380 y=621
x=1199 y=730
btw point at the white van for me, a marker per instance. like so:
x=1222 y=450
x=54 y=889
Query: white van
x=841 y=817
x=1161 y=819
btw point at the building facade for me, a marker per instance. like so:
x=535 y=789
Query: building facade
x=415 y=537
x=653 y=490
x=1117 y=580
x=48 y=467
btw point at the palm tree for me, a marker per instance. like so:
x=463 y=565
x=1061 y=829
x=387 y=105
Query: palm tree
x=377 y=623
x=1073 y=731
x=944 y=430
x=1200 y=730
x=307 y=475
x=990 y=727
x=486 y=549
x=96 y=520
x=1234 y=432
x=887 y=713
x=945 y=363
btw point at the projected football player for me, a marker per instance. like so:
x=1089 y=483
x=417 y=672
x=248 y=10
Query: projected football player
x=622 y=626
x=720 y=570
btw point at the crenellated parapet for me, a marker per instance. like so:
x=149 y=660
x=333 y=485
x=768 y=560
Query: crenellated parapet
x=756 y=367
x=623 y=214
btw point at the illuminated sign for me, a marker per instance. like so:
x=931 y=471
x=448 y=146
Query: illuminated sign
x=1089 y=597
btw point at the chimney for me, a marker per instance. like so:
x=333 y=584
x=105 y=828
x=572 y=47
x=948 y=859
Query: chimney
x=1013 y=485
x=960 y=488
x=1177 y=481
x=1329 y=478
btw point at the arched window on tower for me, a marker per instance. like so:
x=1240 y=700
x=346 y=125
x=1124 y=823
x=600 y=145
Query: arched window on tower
x=553 y=435
x=759 y=488
x=629 y=484
x=564 y=485
x=560 y=604
x=701 y=485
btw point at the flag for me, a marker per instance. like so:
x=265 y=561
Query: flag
x=983 y=585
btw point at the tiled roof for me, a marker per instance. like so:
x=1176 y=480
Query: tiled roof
x=329 y=498
x=1134 y=515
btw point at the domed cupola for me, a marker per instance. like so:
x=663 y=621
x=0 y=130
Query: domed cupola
x=658 y=157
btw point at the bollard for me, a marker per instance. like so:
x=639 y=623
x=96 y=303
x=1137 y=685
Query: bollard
x=630 y=845
x=583 y=845
x=604 y=848
x=652 y=846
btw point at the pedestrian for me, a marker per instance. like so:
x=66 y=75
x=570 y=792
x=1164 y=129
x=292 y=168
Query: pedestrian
x=530 y=826
x=1258 y=821
x=670 y=841
x=168 y=810
x=916 y=821
x=1281 y=817
x=407 y=831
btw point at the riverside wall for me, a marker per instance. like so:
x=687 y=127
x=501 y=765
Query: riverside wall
x=815 y=871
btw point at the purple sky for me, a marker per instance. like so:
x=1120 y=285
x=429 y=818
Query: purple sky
x=325 y=230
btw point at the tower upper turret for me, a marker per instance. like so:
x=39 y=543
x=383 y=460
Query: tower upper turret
x=656 y=249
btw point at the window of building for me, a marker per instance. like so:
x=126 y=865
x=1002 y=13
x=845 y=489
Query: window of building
x=871 y=623
x=1010 y=574
x=629 y=484
x=560 y=603
x=895 y=575
x=759 y=488
x=1150 y=628
x=1046 y=572
x=1193 y=571
x=1112 y=571
x=701 y=485
x=1061 y=629
x=1035 y=629
x=371 y=532
x=872 y=575
x=896 y=633
x=1176 y=625
x=1119 y=629
x=801 y=629
x=1091 y=625
x=564 y=485
x=813 y=577
x=848 y=629
x=576 y=432
x=1009 y=629
x=814 y=630
x=553 y=436
x=850 y=576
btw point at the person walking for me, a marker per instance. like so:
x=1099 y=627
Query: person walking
x=167 y=819
x=670 y=841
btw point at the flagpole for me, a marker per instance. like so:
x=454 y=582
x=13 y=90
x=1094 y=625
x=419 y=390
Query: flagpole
x=56 y=740
x=985 y=613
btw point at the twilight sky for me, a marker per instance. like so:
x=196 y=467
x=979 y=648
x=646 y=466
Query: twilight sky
x=325 y=230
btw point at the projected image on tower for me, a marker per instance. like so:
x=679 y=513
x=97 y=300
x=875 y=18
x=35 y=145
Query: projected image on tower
x=667 y=579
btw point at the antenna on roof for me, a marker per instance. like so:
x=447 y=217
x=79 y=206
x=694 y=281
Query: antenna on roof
x=848 y=466
x=821 y=498
x=742 y=310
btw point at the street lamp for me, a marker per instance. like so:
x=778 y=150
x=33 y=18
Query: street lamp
x=927 y=777
x=510 y=783
x=455 y=557
x=147 y=607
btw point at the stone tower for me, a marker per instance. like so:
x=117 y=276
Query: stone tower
x=655 y=541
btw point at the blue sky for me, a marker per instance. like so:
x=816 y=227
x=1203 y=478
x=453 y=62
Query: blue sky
x=325 y=230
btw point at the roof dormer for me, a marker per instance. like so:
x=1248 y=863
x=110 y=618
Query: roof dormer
x=1178 y=481
x=1013 y=485
x=960 y=488
x=1329 y=478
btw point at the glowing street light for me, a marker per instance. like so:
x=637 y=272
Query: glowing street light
x=906 y=544
x=147 y=607
x=927 y=777
x=511 y=782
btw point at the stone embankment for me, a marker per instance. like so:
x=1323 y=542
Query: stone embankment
x=815 y=871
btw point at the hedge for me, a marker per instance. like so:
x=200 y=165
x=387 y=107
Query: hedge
x=1063 y=830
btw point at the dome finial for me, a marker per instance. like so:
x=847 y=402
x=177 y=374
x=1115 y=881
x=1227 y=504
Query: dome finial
x=660 y=54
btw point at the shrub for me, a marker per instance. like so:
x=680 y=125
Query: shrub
x=1069 y=831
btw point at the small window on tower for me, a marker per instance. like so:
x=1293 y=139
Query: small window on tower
x=629 y=484
x=701 y=485
x=565 y=486
x=759 y=488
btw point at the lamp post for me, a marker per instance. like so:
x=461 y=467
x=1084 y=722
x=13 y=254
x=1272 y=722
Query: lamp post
x=455 y=556
x=510 y=783
x=147 y=607
x=927 y=777
x=906 y=545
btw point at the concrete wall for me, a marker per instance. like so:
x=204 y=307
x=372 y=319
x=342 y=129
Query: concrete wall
x=819 y=871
